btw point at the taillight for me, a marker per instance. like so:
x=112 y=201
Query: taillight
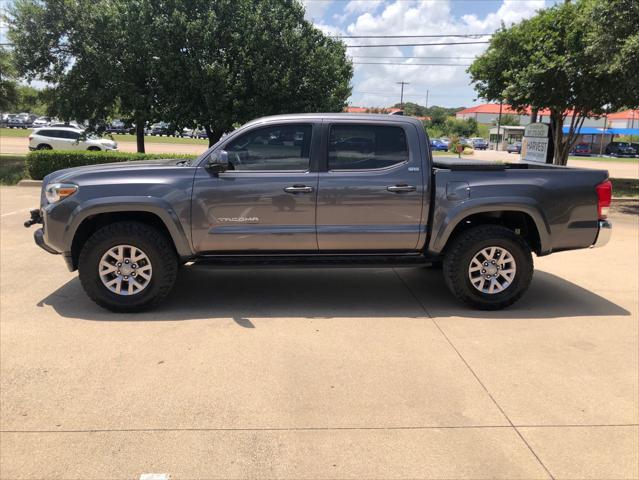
x=604 y=195
x=30 y=137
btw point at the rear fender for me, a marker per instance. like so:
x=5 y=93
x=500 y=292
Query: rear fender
x=444 y=225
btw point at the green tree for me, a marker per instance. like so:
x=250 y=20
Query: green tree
x=31 y=100
x=206 y=63
x=438 y=118
x=461 y=128
x=8 y=81
x=561 y=60
x=413 y=109
x=96 y=55
x=229 y=61
x=507 y=119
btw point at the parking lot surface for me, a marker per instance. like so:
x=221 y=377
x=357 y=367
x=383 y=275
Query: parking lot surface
x=337 y=373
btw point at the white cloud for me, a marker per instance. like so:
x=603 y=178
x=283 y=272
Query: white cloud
x=375 y=85
x=315 y=9
x=357 y=6
x=511 y=11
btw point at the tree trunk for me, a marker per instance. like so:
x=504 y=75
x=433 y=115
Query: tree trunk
x=213 y=134
x=556 y=124
x=139 y=135
x=533 y=115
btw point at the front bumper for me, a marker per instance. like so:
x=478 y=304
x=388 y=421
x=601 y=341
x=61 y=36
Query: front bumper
x=605 y=231
x=38 y=236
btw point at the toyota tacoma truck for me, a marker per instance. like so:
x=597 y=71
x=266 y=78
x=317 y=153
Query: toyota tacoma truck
x=315 y=190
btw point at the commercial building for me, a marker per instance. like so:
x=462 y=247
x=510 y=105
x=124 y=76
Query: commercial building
x=596 y=132
x=488 y=113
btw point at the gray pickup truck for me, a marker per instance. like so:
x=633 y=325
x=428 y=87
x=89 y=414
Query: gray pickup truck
x=318 y=190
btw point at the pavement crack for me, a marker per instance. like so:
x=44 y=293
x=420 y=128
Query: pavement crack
x=470 y=369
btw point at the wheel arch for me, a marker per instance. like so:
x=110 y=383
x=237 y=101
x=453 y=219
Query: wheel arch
x=523 y=218
x=88 y=220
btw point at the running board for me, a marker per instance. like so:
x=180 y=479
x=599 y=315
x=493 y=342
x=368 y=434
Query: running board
x=318 y=261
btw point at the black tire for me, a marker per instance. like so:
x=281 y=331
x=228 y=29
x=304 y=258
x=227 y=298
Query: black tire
x=44 y=146
x=151 y=241
x=435 y=265
x=462 y=250
x=93 y=149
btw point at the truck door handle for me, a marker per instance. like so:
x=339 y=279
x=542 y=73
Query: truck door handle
x=298 y=189
x=401 y=188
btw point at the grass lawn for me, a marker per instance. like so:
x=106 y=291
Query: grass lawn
x=11 y=169
x=606 y=159
x=625 y=187
x=18 y=132
x=15 y=132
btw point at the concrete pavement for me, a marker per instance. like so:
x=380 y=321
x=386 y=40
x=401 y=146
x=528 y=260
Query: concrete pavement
x=348 y=373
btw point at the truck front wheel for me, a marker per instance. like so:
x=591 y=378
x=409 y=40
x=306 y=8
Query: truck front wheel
x=127 y=267
x=488 y=267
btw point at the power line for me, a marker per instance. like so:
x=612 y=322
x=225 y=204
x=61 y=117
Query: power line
x=414 y=44
x=416 y=58
x=414 y=64
x=439 y=35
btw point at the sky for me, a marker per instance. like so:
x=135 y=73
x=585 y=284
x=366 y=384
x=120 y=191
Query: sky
x=449 y=86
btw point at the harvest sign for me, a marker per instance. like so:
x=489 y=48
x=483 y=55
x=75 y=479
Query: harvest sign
x=537 y=145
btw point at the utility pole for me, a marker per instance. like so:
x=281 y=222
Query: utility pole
x=603 y=134
x=498 y=125
x=401 y=98
x=426 y=98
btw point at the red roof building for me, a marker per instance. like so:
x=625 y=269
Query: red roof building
x=356 y=110
x=625 y=119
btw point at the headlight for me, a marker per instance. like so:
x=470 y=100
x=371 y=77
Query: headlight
x=57 y=191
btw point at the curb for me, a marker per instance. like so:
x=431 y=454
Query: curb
x=30 y=183
x=625 y=199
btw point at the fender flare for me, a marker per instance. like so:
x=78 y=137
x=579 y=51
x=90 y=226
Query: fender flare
x=458 y=213
x=156 y=206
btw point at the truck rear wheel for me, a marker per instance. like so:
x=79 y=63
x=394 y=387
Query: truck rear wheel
x=488 y=267
x=127 y=267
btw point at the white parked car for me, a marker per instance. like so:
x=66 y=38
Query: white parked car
x=41 y=122
x=61 y=138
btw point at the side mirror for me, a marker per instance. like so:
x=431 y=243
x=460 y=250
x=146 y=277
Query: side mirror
x=218 y=162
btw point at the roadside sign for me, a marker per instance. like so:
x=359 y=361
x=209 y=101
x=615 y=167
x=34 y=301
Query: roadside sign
x=537 y=145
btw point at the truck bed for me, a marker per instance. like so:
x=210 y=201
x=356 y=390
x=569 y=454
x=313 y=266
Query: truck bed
x=449 y=163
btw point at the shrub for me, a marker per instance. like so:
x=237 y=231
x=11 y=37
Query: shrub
x=11 y=169
x=42 y=162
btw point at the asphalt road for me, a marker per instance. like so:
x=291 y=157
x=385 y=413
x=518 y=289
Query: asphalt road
x=347 y=373
x=20 y=145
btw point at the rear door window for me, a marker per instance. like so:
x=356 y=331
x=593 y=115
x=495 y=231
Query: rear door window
x=366 y=147
x=50 y=133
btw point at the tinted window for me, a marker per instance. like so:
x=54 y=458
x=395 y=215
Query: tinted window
x=70 y=135
x=50 y=133
x=279 y=147
x=357 y=147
